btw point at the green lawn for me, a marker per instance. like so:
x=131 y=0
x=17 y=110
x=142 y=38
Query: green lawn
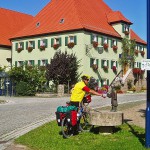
x=48 y=137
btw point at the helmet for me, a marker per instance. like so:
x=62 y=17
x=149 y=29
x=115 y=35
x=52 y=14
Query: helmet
x=85 y=77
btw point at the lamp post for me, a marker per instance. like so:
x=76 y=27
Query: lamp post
x=147 y=124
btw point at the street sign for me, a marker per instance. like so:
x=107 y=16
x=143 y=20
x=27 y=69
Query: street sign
x=145 y=64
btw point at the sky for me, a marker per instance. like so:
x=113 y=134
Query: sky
x=134 y=10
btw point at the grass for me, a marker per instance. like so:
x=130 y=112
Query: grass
x=48 y=137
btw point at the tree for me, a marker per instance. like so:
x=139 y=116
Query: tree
x=127 y=56
x=63 y=68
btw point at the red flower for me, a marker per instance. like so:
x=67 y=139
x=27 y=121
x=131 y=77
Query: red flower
x=70 y=45
x=42 y=47
x=94 y=66
x=142 y=53
x=136 y=70
x=95 y=44
x=19 y=50
x=55 y=46
x=105 y=67
x=105 y=46
x=30 y=49
x=126 y=32
x=114 y=68
x=115 y=47
x=136 y=52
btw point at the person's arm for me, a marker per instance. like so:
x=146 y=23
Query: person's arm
x=95 y=93
x=87 y=89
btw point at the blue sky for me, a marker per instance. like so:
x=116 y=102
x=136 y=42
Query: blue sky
x=134 y=10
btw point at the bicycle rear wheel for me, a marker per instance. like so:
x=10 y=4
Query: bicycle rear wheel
x=84 y=124
x=66 y=128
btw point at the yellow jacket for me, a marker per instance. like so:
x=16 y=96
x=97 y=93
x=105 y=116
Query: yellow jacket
x=77 y=92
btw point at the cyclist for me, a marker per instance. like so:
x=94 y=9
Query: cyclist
x=79 y=91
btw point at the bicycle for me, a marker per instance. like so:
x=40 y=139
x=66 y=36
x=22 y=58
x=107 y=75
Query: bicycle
x=82 y=120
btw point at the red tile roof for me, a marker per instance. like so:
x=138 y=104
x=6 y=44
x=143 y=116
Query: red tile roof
x=11 y=22
x=135 y=37
x=77 y=14
x=117 y=16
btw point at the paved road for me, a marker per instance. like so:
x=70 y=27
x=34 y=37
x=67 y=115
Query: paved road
x=20 y=115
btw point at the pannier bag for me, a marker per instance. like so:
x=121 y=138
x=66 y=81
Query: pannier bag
x=72 y=117
x=62 y=111
x=87 y=99
x=59 y=117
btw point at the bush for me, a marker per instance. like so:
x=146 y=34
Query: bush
x=24 y=89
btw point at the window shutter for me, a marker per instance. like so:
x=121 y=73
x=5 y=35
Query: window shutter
x=39 y=43
x=111 y=64
x=52 y=42
x=116 y=42
x=66 y=41
x=46 y=61
x=60 y=41
x=91 y=62
x=91 y=38
x=39 y=62
x=139 y=65
x=101 y=83
x=107 y=82
x=111 y=42
x=26 y=63
x=116 y=64
x=27 y=45
x=32 y=62
x=16 y=46
x=75 y=40
x=97 y=62
x=45 y=41
x=102 y=41
x=22 y=45
x=97 y=82
x=33 y=44
x=122 y=27
x=102 y=63
x=15 y=63
x=108 y=63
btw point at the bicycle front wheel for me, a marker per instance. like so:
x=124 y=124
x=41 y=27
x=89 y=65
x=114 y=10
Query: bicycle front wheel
x=84 y=124
x=66 y=128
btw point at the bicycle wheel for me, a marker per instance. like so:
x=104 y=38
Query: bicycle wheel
x=84 y=124
x=66 y=128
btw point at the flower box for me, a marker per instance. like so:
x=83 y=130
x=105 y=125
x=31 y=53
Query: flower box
x=105 y=68
x=95 y=67
x=30 y=49
x=136 y=70
x=136 y=52
x=142 y=53
x=42 y=47
x=55 y=46
x=105 y=46
x=19 y=50
x=115 y=47
x=71 y=45
x=95 y=44
x=126 y=32
x=114 y=68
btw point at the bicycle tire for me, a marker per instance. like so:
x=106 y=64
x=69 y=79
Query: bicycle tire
x=66 y=128
x=84 y=125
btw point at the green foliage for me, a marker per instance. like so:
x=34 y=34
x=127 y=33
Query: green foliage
x=33 y=76
x=2 y=69
x=63 y=68
x=128 y=55
x=24 y=88
x=49 y=137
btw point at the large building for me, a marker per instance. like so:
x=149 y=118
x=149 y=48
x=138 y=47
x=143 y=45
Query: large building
x=90 y=29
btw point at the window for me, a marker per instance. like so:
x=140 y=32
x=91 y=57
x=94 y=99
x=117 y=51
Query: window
x=56 y=41
x=37 y=24
x=105 y=40
x=42 y=44
x=141 y=48
x=61 y=21
x=43 y=62
x=29 y=62
x=20 y=63
x=114 y=63
x=94 y=38
x=70 y=41
x=135 y=64
x=94 y=61
x=113 y=42
x=19 y=46
x=30 y=44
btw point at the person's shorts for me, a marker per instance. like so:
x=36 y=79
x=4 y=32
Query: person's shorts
x=77 y=104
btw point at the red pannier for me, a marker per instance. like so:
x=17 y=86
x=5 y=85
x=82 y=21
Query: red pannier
x=72 y=117
x=59 y=117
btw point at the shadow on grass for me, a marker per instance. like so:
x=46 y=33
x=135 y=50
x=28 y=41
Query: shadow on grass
x=143 y=111
x=141 y=137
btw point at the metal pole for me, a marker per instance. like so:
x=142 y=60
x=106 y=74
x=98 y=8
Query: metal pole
x=147 y=124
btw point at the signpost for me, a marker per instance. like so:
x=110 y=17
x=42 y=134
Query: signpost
x=146 y=65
